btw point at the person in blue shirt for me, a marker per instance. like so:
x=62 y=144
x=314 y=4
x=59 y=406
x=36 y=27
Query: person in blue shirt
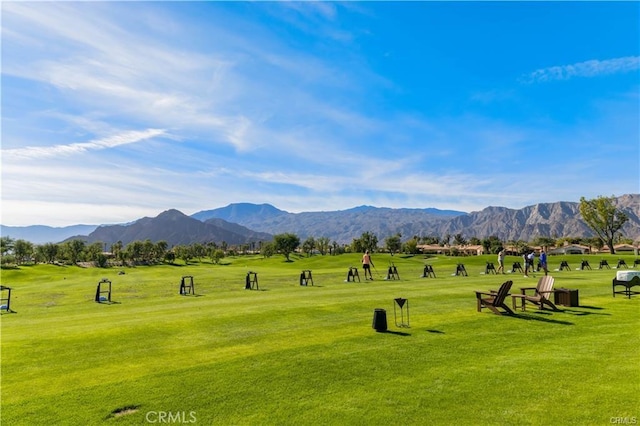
x=543 y=261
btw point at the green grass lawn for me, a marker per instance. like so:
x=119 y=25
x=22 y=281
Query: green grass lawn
x=288 y=354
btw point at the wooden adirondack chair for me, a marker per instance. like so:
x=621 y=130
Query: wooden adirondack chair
x=541 y=294
x=495 y=299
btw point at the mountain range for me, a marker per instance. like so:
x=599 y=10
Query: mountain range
x=243 y=223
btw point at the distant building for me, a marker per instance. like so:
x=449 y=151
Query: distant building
x=571 y=249
x=620 y=248
x=471 y=250
x=464 y=250
x=433 y=249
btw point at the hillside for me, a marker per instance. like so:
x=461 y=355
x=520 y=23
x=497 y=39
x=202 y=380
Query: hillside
x=545 y=219
x=340 y=226
x=175 y=228
x=241 y=212
x=552 y=219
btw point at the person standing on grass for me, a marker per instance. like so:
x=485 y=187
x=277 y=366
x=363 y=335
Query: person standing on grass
x=500 y=262
x=543 y=261
x=526 y=264
x=531 y=258
x=367 y=263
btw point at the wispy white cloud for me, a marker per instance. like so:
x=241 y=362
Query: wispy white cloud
x=116 y=73
x=314 y=17
x=75 y=148
x=590 y=68
x=113 y=71
x=325 y=10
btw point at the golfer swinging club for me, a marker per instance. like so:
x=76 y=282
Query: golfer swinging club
x=367 y=263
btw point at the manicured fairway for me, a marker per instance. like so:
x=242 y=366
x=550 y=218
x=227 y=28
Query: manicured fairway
x=288 y=354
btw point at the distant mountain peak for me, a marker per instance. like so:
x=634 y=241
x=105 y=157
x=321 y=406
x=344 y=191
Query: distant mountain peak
x=238 y=212
x=362 y=208
x=171 y=213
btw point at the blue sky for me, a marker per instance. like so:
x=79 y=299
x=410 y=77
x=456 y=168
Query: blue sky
x=112 y=111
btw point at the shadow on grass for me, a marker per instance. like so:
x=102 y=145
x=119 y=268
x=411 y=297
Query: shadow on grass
x=591 y=307
x=397 y=333
x=582 y=313
x=10 y=267
x=538 y=318
x=436 y=331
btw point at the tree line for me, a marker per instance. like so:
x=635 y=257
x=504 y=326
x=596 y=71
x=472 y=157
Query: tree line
x=77 y=251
